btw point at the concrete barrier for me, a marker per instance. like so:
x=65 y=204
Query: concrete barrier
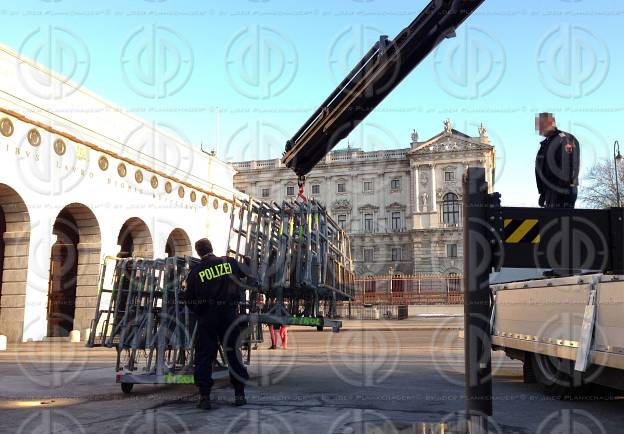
x=74 y=336
x=435 y=309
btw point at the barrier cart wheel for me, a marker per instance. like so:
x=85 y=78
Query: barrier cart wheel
x=127 y=387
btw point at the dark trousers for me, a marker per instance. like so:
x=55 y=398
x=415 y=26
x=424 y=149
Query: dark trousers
x=556 y=199
x=218 y=326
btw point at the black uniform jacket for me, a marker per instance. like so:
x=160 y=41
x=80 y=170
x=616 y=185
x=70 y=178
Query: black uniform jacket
x=557 y=163
x=213 y=283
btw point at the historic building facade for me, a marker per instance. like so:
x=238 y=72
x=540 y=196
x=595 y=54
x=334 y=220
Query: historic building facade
x=401 y=208
x=81 y=180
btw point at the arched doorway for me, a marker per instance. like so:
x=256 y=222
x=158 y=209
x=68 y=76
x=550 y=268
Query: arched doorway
x=74 y=269
x=14 y=243
x=178 y=243
x=135 y=239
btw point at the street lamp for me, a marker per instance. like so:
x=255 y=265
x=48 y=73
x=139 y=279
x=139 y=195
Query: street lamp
x=616 y=159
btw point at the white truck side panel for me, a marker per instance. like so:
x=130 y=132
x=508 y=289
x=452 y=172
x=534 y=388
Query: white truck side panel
x=546 y=315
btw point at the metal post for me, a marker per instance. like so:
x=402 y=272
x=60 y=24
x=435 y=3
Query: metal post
x=477 y=309
x=616 y=159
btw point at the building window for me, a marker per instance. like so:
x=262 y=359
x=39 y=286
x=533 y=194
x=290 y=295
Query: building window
x=451 y=250
x=316 y=189
x=342 y=221
x=290 y=191
x=265 y=192
x=395 y=184
x=450 y=209
x=368 y=222
x=369 y=254
x=341 y=187
x=368 y=186
x=449 y=176
x=396 y=254
x=396 y=220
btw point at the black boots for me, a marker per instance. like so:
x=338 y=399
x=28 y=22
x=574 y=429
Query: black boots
x=204 y=402
x=239 y=397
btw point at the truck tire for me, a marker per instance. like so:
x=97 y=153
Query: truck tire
x=127 y=387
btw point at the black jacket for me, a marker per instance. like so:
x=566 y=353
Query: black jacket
x=213 y=283
x=557 y=163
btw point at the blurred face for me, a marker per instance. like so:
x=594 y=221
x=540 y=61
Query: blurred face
x=544 y=124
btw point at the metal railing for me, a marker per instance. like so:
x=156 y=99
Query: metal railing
x=409 y=290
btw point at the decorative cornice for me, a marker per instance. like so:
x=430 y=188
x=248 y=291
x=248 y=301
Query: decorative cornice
x=341 y=205
x=368 y=206
x=396 y=205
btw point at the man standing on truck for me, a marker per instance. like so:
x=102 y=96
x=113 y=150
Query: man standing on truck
x=556 y=164
x=212 y=293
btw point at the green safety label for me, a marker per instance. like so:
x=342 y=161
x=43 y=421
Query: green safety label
x=305 y=321
x=179 y=379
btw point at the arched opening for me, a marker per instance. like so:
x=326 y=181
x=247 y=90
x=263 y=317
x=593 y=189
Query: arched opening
x=74 y=269
x=135 y=239
x=178 y=243
x=14 y=241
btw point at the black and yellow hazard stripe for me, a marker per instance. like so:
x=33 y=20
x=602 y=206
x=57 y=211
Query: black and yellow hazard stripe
x=521 y=231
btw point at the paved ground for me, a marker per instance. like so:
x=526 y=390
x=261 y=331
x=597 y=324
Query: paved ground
x=394 y=379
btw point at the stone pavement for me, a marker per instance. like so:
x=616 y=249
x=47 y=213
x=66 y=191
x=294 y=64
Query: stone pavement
x=389 y=380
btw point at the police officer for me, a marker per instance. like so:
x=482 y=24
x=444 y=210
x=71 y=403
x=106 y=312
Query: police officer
x=556 y=164
x=212 y=293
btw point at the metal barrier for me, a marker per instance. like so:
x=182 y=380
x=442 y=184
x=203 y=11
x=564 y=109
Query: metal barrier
x=294 y=255
x=297 y=256
x=141 y=314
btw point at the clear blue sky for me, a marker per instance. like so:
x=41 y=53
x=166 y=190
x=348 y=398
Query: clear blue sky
x=266 y=65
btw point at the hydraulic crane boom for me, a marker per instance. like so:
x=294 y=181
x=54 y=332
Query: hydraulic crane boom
x=385 y=65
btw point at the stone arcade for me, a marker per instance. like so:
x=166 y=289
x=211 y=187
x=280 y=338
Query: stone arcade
x=82 y=180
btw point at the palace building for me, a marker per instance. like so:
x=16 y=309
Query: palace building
x=401 y=207
x=81 y=180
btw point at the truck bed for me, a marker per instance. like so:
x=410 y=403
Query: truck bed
x=547 y=316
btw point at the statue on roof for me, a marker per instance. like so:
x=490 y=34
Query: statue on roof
x=414 y=136
x=482 y=131
x=448 y=126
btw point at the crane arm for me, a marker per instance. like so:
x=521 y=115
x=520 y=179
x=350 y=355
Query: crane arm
x=383 y=67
